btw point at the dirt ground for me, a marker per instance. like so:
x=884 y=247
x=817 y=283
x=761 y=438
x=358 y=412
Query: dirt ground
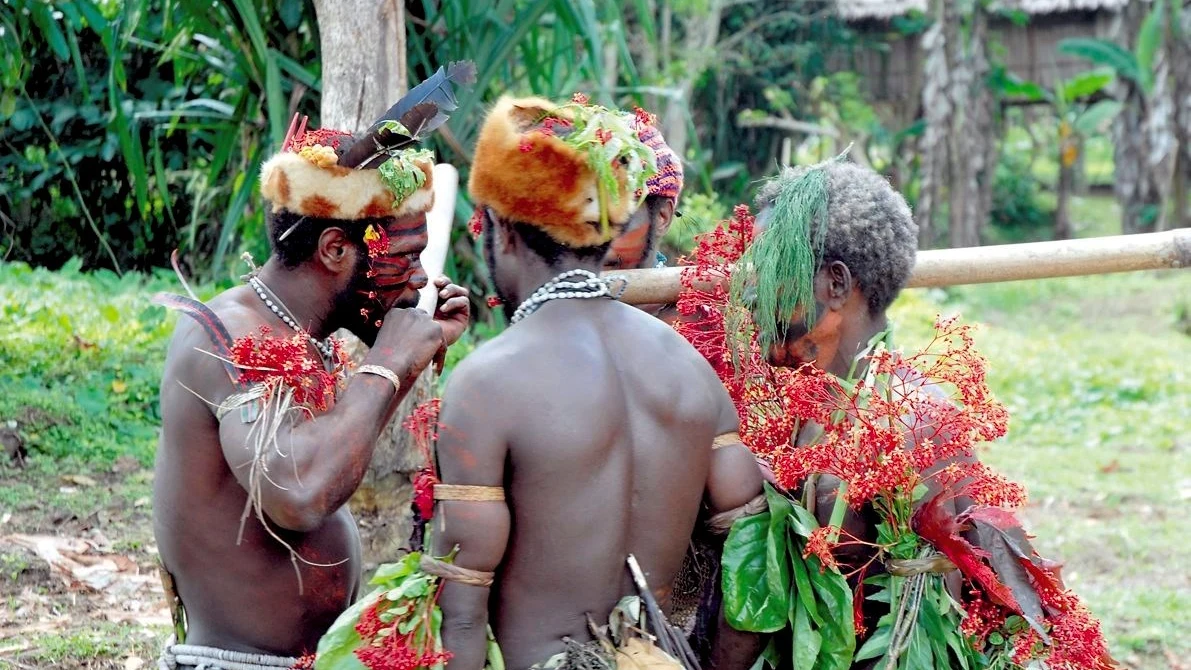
x=78 y=571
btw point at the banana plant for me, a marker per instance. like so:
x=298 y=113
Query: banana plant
x=1078 y=115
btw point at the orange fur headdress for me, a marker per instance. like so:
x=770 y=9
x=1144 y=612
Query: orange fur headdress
x=572 y=170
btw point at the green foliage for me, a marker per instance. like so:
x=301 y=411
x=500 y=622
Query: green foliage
x=768 y=586
x=138 y=124
x=1084 y=84
x=1104 y=52
x=701 y=213
x=1017 y=215
x=80 y=361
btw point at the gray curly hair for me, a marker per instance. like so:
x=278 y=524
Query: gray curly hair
x=869 y=228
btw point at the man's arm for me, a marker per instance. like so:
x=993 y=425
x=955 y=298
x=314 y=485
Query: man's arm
x=733 y=480
x=316 y=464
x=472 y=448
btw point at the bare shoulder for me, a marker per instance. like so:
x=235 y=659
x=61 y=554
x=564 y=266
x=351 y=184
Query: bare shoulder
x=189 y=359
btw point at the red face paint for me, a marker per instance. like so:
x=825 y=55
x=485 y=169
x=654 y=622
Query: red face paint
x=395 y=268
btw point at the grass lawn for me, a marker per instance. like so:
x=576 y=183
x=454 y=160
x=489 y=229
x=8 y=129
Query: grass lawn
x=1093 y=370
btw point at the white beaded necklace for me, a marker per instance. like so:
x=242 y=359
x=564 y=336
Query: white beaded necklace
x=325 y=348
x=591 y=286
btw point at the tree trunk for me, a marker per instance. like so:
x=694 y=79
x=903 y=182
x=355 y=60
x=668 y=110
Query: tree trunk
x=701 y=30
x=937 y=109
x=1142 y=137
x=972 y=123
x=363 y=74
x=362 y=43
x=958 y=149
x=1063 y=196
x=1179 y=48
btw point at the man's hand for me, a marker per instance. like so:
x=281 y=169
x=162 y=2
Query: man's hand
x=408 y=340
x=454 y=310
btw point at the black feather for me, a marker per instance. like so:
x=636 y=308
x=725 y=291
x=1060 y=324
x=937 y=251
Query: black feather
x=423 y=110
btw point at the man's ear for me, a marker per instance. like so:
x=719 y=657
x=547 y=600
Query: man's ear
x=663 y=218
x=508 y=239
x=335 y=251
x=836 y=283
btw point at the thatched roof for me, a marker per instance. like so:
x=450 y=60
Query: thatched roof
x=853 y=10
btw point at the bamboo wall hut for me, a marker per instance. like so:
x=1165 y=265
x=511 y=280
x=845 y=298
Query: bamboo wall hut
x=893 y=74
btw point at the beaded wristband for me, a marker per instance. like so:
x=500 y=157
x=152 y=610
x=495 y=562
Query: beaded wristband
x=381 y=371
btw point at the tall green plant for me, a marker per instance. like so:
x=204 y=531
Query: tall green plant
x=137 y=124
x=550 y=48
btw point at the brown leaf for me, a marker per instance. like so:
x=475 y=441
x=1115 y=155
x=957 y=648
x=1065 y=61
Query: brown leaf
x=1005 y=554
x=79 y=480
x=1111 y=466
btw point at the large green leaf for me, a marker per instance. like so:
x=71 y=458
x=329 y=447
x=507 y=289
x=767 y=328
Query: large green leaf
x=750 y=602
x=1096 y=117
x=807 y=641
x=1086 y=83
x=1149 y=41
x=336 y=648
x=1104 y=52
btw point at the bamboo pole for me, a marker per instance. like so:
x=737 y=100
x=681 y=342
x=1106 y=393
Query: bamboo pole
x=982 y=265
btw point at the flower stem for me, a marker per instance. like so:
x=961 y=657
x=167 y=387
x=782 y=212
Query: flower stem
x=838 y=509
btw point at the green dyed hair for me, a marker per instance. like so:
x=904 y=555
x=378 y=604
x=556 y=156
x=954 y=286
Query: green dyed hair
x=778 y=268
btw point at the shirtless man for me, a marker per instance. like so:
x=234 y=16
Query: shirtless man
x=600 y=450
x=267 y=579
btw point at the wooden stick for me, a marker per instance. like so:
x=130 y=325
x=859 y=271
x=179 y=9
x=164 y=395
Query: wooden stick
x=982 y=265
x=438 y=232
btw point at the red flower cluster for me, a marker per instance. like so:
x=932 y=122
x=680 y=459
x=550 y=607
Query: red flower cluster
x=821 y=543
x=475 y=225
x=377 y=240
x=325 y=137
x=525 y=147
x=304 y=662
x=909 y=413
x=281 y=363
x=580 y=98
x=603 y=135
x=386 y=648
x=644 y=118
x=494 y=301
x=422 y=423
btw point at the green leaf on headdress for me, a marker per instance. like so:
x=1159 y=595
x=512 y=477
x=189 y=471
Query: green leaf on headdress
x=401 y=175
x=606 y=138
x=778 y=269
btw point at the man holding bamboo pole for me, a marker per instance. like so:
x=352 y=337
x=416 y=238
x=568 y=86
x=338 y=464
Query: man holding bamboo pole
x=567 y=458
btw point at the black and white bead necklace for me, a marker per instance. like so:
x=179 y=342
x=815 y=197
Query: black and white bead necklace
x=590 y=286
x=325 y=348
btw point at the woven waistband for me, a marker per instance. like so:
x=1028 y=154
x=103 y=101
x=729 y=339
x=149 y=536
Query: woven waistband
x=212 y=658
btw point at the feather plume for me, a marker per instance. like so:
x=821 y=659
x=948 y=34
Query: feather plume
x=418 y=113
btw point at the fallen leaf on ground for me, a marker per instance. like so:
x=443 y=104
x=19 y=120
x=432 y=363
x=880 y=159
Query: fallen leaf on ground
x=79 y=480
x=116 y=580
x=1111 y=466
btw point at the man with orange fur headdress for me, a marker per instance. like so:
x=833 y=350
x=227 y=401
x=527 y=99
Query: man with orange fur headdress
x=558 y=445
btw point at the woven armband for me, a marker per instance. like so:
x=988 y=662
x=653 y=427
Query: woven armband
x=248 y=402
x=721 y=523
x=725 y=440
x=469 y=493
x=454 y=573
x=936 y=564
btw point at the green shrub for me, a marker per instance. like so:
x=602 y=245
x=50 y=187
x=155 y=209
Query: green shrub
x=1018 y=213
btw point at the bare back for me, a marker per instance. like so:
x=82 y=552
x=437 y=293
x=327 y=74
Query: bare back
x=610 y=417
